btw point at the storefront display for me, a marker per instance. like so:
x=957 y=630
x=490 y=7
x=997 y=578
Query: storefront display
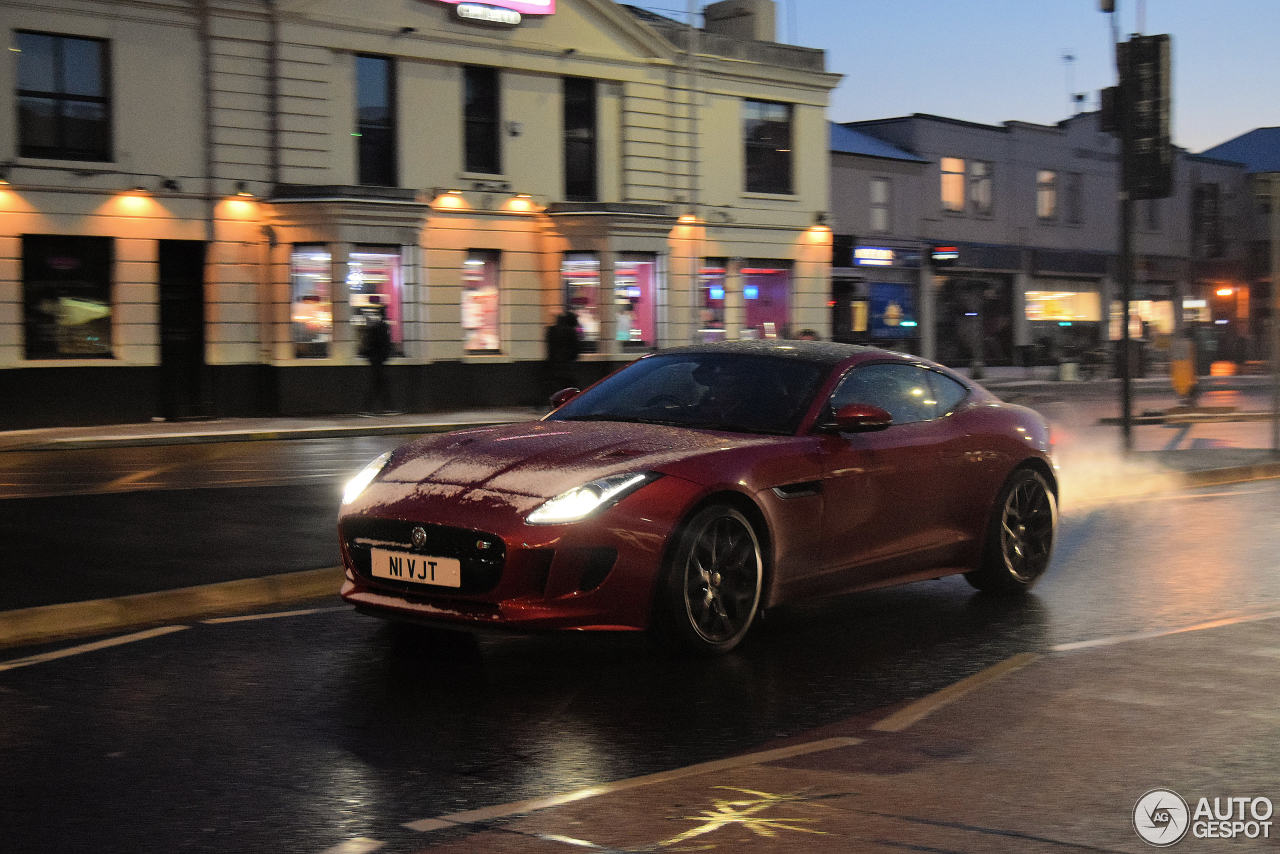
x=580 y=274
x=766 y=294
x=310 y=277
x=481 y=322
x=374 y=277
x=634 y=293
x=711 y=291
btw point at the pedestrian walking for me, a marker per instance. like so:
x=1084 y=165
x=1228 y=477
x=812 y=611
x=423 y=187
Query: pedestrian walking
x=376 y=346
x=563 y=347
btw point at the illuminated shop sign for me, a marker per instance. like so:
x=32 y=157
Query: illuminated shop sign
x=944 y=256
x=873 y=256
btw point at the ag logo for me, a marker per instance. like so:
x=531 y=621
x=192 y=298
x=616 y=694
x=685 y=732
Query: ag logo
x=1161 y=817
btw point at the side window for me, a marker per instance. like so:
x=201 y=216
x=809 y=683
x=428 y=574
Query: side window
x=947 y=393
x=904 y=391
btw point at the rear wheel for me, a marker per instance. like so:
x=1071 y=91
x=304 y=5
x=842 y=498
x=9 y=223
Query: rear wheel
x=711 y=591
x=1020 y=536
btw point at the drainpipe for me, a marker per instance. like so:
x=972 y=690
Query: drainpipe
x=206 y=91
x=273 y=92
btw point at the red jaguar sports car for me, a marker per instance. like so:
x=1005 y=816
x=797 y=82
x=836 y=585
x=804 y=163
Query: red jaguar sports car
x=697 y=486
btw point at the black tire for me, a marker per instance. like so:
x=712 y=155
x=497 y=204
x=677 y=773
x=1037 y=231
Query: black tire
x=710 y=593
x=1020 y=535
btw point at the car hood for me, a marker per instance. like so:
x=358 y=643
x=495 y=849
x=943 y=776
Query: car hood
x=545 y=458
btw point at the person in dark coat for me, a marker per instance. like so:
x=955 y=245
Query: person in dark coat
x=563 y=347
x=376 y=346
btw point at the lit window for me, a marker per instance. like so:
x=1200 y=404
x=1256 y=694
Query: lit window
x=376 y=283
x=481 y=320
x=311 y=314
x=580 y=274
x=1046 y=195
x=635 y=289
x=953 y=184
x=766 y=297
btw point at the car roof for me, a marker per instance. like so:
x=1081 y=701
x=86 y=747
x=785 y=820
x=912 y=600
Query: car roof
x=829 y=354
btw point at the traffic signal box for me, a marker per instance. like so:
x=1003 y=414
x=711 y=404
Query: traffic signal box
x=1142 y=109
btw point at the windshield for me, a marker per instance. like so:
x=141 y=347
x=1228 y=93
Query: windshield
x=716 y=391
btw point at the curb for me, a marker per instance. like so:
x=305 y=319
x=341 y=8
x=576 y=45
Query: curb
x=1234 y=474
x=125 y=441
x=55 y=622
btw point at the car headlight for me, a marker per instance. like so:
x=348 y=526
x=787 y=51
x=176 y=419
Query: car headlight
x=581 y=501
x=357 y=484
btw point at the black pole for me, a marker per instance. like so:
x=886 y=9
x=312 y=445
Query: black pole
x=1124 y=93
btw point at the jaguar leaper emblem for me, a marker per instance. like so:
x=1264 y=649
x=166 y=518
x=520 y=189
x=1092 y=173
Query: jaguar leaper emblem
x=419 y=536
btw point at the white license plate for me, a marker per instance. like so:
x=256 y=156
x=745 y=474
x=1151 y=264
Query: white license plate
x=419 y=569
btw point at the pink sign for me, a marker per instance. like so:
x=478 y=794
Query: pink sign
x=524 y=7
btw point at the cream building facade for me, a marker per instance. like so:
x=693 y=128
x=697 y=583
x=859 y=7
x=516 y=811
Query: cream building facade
x=206 y=200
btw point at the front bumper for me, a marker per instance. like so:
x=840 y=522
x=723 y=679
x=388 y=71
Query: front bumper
x=597 y=574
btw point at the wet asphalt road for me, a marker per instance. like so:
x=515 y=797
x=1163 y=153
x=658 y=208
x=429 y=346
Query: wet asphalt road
x=294 y=733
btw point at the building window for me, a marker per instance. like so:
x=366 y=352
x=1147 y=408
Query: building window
x=375 y=282
x=635 y=299
x=766 y=131
x=481 y=319
x=1206 y=221
x=980 y=187
x=766 y=297
x=580 y=275
x=480 y=112
x=1046 y=195
x=953 y=184
x=376 y=121
x=580 y=139
x=880 y=205
x=66 y=294
x=1075 y=198
x=1151 y=214
x=310 y=275
x=64 y=97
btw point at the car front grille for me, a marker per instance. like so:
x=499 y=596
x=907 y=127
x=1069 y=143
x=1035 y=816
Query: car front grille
x=481 y=554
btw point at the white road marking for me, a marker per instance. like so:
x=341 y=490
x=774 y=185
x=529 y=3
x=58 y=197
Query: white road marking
x=89 y=647
x=535 y=804
x=925 y=706
x=1113 y=640
x=213 y=621
x=358 y=845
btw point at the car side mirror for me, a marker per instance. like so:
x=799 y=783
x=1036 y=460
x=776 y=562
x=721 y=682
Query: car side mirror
x=563 y=396
x=858 y=418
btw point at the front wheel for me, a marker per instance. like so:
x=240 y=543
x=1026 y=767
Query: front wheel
x=711 y=590
x=1020 y=535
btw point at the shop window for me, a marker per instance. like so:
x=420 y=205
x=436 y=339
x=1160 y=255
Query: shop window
x=892 y=310
x=711 y=290
x=766 y=296
x=767 y=137
x=880 y=205
x=1046 y=195
x=64 y=97
x=310 y=275
x=66 y=292
x=952 y=184
x=635 y=298
x=481 y=320
x=580 y=139
x=980 y=187
x=580 y=275
x=376 y=121
x=1063 y=306
x=375 y=281
x=481 y=119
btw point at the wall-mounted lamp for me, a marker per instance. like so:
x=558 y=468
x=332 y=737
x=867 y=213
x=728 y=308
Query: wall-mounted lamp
x=570 y=51
x=171 y=185
x=139 y=190
x=242 y=189
x=404 y=31
x=820 y=218
x=687 y=219
x=521 y=203
x=4 y=174
x=451 y=199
